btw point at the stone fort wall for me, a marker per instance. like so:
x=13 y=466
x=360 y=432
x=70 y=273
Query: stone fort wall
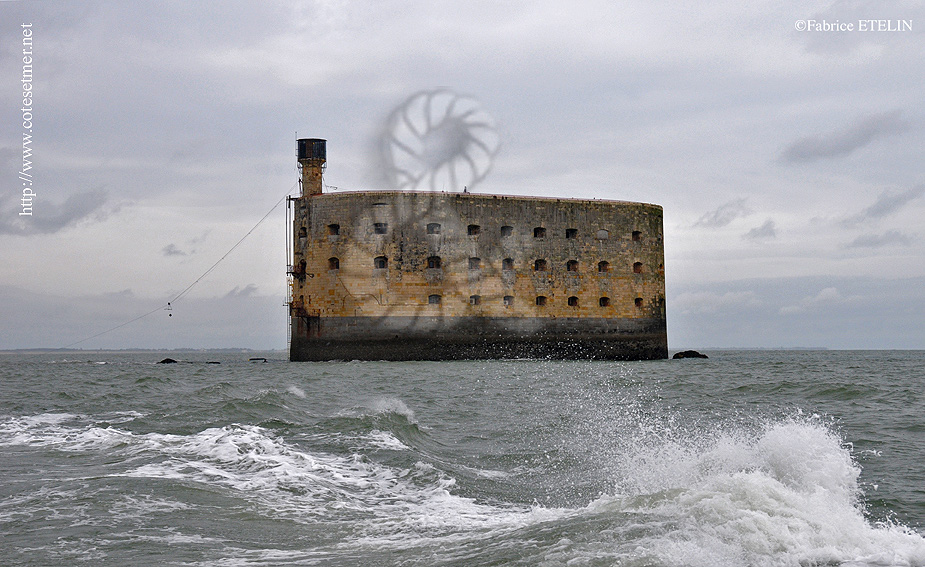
x=393 y=274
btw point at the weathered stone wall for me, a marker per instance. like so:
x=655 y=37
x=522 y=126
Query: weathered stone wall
x=391 y=266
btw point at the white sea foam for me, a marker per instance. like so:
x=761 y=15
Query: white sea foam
x=786 y=495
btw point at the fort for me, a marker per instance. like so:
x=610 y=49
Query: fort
x=411 y=275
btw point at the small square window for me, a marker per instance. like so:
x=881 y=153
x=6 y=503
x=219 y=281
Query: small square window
x=604 y=302
x=380 y=227
x=433 y=299
x=433 y=228
x=638 y=302
x=539 y=232
x=507 y=231
x=507 y=264
x=509 y=300
x=475 y=263
x=637 y=235
x=571 y=233
x=333 y=229
x=473 y=229
x=541 y=300
x=475 y=299
x=381 y=262
x=573 y=301
x=539 y=265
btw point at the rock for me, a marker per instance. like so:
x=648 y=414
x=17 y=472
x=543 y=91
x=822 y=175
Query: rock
x=168 y=361
x=689 y=354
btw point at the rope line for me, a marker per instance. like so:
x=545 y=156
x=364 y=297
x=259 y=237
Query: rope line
x=190 y=286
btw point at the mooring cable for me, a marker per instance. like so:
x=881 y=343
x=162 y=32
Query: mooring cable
x=170 y=303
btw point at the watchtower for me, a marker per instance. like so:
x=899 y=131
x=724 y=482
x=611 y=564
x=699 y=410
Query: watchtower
x=312 y=155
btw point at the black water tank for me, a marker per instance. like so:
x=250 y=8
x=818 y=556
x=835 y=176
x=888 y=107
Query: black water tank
x=311 y=148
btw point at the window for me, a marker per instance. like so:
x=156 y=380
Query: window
x=637 y=268
x=571 y=233
x=541 y=300
x=571 y=266
x=433 y=228
x=602 y=234
x=475 y=299
x=539 y=232
x=475 y=263
x=604 y=302
x=507 y=231
x=333 y=230
x=473 y=229
x=638 y=302
x=433 y=262
x=381 y=262
x=303 y=232
x=637 y=236
x=434 y=299
x=507 y=264
x=333 y=264
x=539 y=265
x=380 y=227
x=573 y=301
x=603 y=267
x=509 y=300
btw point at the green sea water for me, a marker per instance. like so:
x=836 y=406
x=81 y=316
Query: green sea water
x=746 y=458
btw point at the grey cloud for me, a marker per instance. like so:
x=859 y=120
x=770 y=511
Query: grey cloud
x=172 y=250
x=724 y=215
x=764 y=232
x=246 y=291
x=843 y=142
x=888 y=238
x=48 y=217
x=887 y=203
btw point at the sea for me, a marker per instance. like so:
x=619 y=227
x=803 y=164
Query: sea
x=746 y=458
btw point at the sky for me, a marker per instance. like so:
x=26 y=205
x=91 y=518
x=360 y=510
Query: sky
x=783 y=139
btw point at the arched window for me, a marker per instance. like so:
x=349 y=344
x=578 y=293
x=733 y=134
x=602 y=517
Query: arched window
x=381 y=262
x=637 y=267
x=507 y=264
x=573 y=301
x=571 y=233
x=602 y=234
x=433 y=262
x=475 y=299
x=509 y=300
x=475 y=263
x=539 y=232
x=333 y=229
x=603 y=267
x=507 y=230
x=433 y=228
x=333 y=264
x=571 y=265
x=604 y=302
x=433 y=299
x=541 y=300
x=303 y=232
x=380 y=227
x=638 y=302
x=539 y=265
x=637 y=236
x=473 y=229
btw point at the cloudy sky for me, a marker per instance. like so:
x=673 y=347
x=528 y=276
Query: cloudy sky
x=788 y=162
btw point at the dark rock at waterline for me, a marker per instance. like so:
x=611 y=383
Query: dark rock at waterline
x=168 y=361
x=689 y=354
